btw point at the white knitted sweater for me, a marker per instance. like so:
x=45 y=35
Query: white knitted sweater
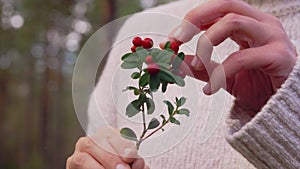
x=269 y=140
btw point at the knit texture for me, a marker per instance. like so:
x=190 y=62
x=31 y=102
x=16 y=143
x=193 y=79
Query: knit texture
x=272 y=138
x=269 y=149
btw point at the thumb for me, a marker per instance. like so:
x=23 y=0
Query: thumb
x=184 y=32
x=251 y=58
x=138 y=164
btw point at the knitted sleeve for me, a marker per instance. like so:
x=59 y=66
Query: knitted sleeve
x=271 y=139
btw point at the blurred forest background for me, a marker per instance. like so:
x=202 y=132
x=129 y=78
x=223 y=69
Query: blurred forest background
x=39 y=43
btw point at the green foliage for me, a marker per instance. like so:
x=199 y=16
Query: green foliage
x=154 y=83
x=153 y=124
x=133 y=108
x=150 y=105
x=170 y=107
x=164 y=56
x=142 y=53
x=167 y=45
x=130 y=65
x=175 y=121
x=129 y=88
x=135 y=75
x=148 y=84
x=178 y=60
x=180 y=102
x=125 y=56
x=132 y=58
x=185 y=112
x=128 y=134
x=144 y=80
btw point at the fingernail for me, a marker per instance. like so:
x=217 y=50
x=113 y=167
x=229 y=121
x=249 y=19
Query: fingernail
x=197 y=64
x=207 y=89
x=121 y=166
x=127 y=151
x=177 y=33
x=204 y=48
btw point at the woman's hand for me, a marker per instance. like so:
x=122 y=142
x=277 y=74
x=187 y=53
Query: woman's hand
x=252 y=74
x=106 y=150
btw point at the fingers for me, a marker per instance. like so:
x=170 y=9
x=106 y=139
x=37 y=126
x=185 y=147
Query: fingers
x=244 y=30
x=103 y=153
x=123 y=147
x=106 y=149
x=208 y=13
x=82 y=161
x=138 y=164
x=238 y=27
x=198 y=71
x=246 y=59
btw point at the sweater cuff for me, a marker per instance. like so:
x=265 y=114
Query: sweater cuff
x=270 y=139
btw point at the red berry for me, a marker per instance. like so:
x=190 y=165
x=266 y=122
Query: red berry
x=149 y=59
x=137 y=41
x=153 y=69
x=179 y=43
x=147 y=43
x=174 y=46
x=133 y=48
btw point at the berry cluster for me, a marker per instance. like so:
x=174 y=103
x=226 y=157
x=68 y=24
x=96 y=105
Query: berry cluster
x=153 y=68
x=147 y=43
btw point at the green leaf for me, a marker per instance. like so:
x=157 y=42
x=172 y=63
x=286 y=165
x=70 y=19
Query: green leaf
x=175 y=121
x=181 y=55
x=166 y=75
x=125 y=56
x=139 y=48
x=133 y=108
x=164 y=86
x=142 y=53
x=144 y=80
x=179 y=81
x=142 y=98
x=128 y=134
x=184 y=112
x=130 y=65
x=181 y=101
x=150 y=106
x=164 y=56
x=154 y=53
x=136 y=92
x=178 y=60
x=153 y=123
x=164 y=118
x=170 y=107
x=154 y=82
x=132 y=58
x=167 y=45
x=164 y=65
x=135 y=75
x=129 y=88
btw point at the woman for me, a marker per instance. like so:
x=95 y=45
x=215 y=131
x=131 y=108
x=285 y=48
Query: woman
x=263 y=76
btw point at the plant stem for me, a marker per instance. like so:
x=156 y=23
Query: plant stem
x=157 y=129
x=138 y=143
x=142 y=138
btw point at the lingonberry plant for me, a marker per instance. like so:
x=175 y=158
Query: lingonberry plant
x=155 y=67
